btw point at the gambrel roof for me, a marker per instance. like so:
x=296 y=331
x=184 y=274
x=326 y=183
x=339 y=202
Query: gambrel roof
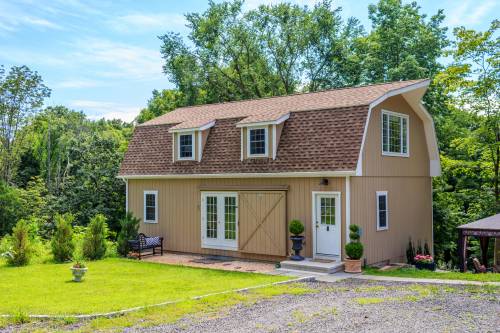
x=323 y=132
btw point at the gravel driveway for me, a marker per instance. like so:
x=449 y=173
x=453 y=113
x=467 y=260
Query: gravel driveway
x=359 y=306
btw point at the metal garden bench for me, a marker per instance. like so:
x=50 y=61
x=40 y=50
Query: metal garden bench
x=144 y=242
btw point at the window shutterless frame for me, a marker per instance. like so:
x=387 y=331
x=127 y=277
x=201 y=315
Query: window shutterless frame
x=404 y=133
x=266 y=141
x=382 y=195
x=178 y=139
x=147 y=195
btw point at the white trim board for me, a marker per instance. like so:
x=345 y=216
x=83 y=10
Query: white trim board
x=318 y=174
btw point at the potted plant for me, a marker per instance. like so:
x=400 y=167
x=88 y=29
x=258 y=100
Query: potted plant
x=296 y=228
x=423 y=261
x=354 y=251
x=78 y=269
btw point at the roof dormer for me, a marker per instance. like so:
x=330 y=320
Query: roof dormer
x=261 y=139
x=188 y=143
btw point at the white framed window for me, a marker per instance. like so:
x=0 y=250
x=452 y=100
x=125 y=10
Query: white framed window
x=150 y=207
x=257 y=141
x=219 y=220
x=395 y=134
x=382 y=211
x=185 y=146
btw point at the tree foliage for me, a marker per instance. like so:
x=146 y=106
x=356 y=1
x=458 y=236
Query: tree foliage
x=22 y=93
x=62 y=241
x=129 y=228
x=94 y=241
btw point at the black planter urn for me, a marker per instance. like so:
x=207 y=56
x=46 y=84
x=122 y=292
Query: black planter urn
x=297 y=247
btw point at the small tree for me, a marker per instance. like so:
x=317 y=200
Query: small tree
x=62 y=241
x=21 y=251
x=94 y=241
x=129 y=229
x=354 y=249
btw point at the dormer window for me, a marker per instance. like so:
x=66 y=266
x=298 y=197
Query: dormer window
x=257 y=142
x=185 y=149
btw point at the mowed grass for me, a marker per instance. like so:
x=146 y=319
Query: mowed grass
x=110 y=285
x=424 y=274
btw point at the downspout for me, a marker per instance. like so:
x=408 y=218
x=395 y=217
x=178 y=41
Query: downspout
x=125 y=180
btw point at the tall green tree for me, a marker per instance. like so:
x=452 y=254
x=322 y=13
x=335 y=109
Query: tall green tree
x=474 y=81
x=404 y=44
x=22 y=93
x=272 y=50
x=161 y=103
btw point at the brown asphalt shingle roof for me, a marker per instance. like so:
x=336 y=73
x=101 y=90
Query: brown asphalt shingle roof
x=326 y=138
x=272 y=108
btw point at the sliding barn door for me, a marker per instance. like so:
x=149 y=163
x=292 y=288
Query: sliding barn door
x=262 y=225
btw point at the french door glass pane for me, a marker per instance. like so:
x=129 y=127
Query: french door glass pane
x=327 y=206
x=211 y=217
x=229 y=217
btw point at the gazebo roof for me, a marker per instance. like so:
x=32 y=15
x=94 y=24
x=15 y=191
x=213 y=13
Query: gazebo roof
x=488 y=223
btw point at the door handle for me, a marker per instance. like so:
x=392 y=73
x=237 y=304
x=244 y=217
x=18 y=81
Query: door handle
x=327 y=228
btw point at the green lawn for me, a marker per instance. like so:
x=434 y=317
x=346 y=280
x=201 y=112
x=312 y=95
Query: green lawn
x=423 y=274
x=111 y=284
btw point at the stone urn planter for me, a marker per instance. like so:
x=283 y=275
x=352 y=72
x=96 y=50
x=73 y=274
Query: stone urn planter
x=296 y=228
x=354 y=251
x=78 y=271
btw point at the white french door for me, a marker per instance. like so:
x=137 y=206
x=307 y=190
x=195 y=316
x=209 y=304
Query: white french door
x=219 y=220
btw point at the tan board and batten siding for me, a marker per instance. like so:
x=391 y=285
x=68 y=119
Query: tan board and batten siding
x=179 y=212
x=406 y=180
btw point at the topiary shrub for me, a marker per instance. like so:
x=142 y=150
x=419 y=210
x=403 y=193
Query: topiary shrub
x=62 y=242
x=354 y=249
x=296 y=227
x=21 y=251
x=129 y=229
x=94 y=241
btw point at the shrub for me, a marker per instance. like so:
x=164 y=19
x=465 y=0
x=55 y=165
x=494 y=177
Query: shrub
x=410 y=253
x=129 y=229
x=20 y=252
x=62 y=242
x=94 y=241
x=427 y=251
x=296 y=227
x=354 y=249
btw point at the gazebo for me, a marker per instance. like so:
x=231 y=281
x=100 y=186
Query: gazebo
x=483 y=229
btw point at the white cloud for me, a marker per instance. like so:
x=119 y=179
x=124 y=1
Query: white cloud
x=78 y=83
x=469 y=12
x=140 y=22
x=106 y=110
x=118 y=60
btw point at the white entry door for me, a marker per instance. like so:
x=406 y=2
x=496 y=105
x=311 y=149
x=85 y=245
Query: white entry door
x=219 y=220
x=327 y=224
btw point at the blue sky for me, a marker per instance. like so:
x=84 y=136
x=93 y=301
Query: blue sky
x=103 y=57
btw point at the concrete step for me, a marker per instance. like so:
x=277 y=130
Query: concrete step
x=309 y=265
